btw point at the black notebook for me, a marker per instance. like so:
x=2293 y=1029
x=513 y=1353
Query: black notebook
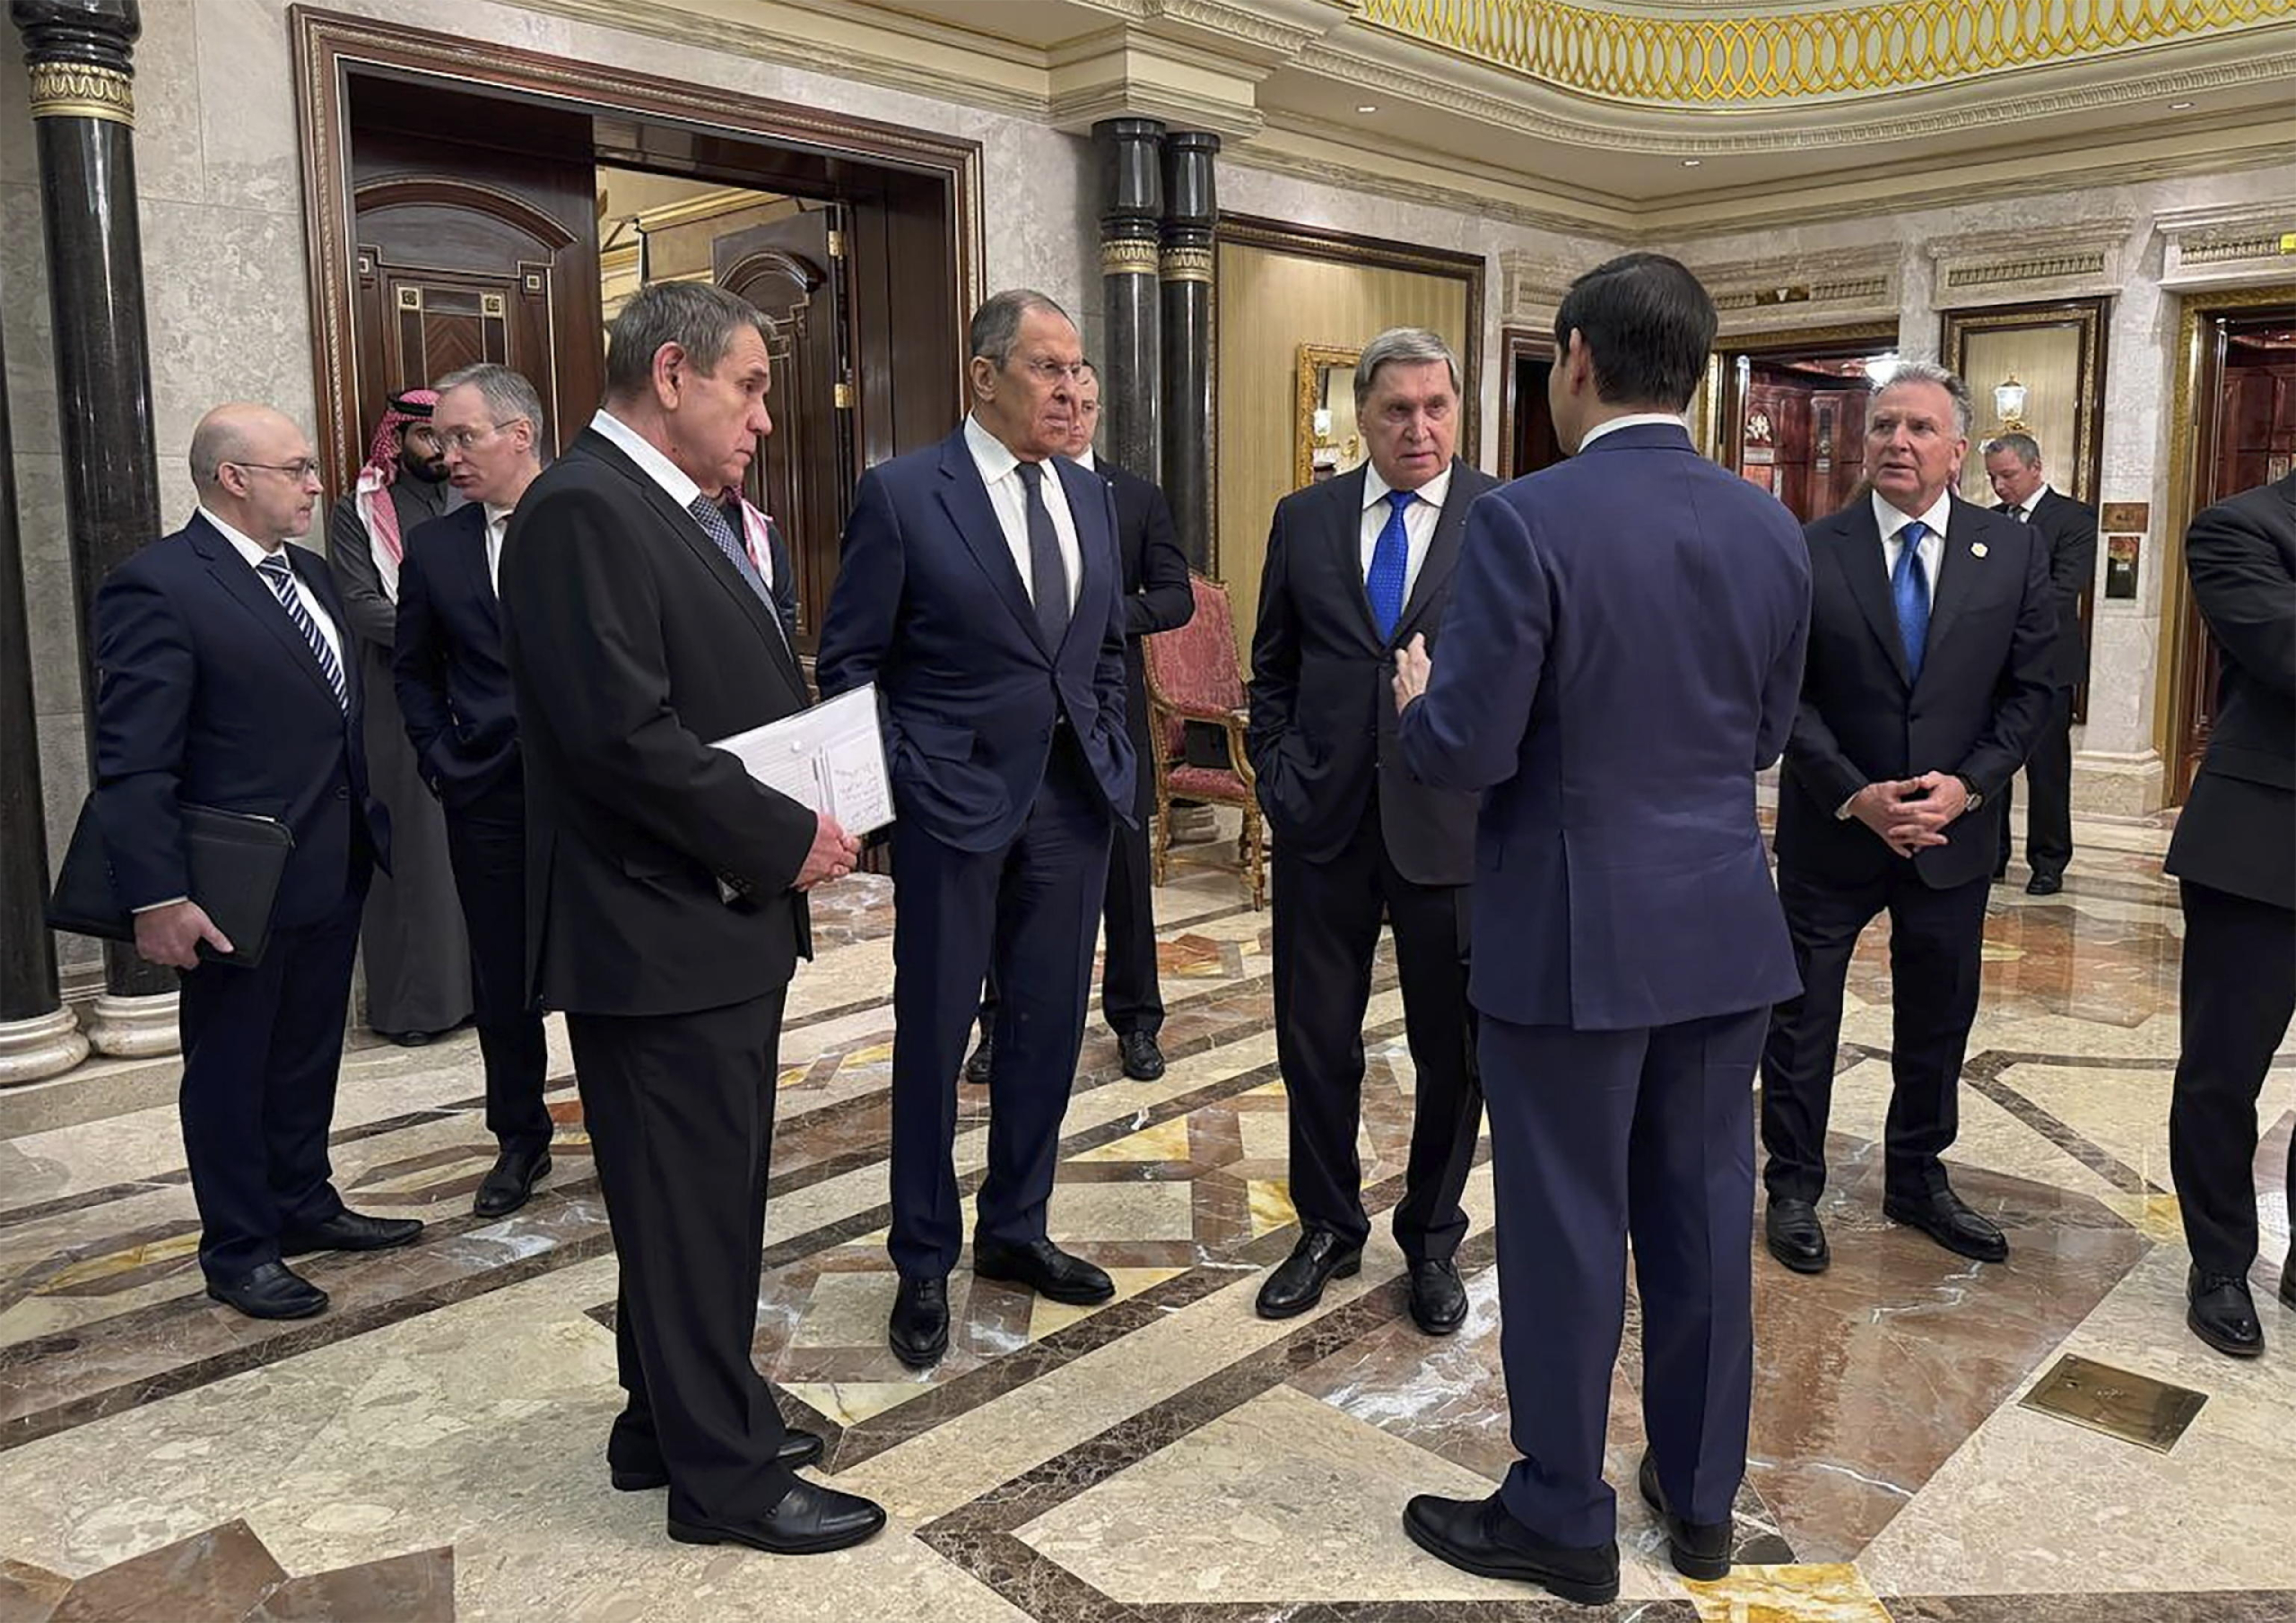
x=236 y=860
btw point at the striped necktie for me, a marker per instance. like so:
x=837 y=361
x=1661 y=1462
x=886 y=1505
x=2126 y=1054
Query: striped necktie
x=714 y=523
x=280 y=579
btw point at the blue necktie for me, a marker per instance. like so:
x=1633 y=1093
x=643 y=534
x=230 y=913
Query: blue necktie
x=1390 y=561
x=1910 y=585
x=277 y=575
x=1048 y=573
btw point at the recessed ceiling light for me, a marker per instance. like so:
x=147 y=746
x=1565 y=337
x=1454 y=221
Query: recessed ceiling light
x=1692 y=163
x=1369 y=107
x=2178 y=107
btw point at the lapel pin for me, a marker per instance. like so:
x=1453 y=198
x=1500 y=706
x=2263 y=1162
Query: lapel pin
x=1977 y=549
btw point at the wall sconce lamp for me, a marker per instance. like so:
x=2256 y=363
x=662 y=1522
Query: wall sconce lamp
x=2009 y=406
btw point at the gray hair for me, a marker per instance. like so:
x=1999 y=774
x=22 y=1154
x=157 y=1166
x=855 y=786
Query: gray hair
x=1929 y=372
x=700 y=319
x=2028 y=448
x=508 y=395
x=1402 y=346
x=995 y=327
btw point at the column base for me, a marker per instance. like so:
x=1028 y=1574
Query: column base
x=2114 y=784
x=44 y=1045
x=134 y=1028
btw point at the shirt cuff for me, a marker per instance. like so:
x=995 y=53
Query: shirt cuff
x=1841 y=811
x=173 y=901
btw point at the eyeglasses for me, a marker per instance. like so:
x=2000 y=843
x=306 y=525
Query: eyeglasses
x=1053 y=371
x=464 y=440
x=301 y=472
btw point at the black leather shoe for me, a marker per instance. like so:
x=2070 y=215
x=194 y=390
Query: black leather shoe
x=2222 y=1312
x=918 y=1329
x=1795 y=1237
x=1439 y=1296
x=1143 y=1062
x=349 y=1230
x=1298 y=1282
x=1945 y=1218
x=1044 y=1268
x=810 y=1521
x=511 y=1182
x=2044 y=884
x=1478 y=1536
x=2288 y=1281
x=413 y=1039
x=982 y=1061
x=1700 y=1551
x=798 y=1449
x=270 y=1290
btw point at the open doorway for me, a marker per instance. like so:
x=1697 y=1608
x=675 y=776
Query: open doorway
x=1792 y=416
x=1527 y=438
x=480 y=202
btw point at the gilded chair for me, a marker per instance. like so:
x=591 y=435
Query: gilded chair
x=1194 y=676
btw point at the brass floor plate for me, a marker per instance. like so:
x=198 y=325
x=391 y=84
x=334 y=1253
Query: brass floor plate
x=2119 y=1402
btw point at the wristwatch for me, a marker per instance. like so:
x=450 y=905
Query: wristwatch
x=1977 y=795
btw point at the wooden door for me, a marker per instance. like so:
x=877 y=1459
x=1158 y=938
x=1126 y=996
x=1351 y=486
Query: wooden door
x=794 y=271
x=2248 y=397
x=466 y=253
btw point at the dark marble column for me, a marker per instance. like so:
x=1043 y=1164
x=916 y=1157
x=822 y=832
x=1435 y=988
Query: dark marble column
x=84 y=118
x=37 y=1034
x=1132 y=206
x=1191 y=215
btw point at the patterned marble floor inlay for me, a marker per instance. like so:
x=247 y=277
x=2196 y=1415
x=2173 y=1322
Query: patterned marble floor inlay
x=429 y=1448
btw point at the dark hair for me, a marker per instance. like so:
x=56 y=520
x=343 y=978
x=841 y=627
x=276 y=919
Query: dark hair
x=1649 y=325
x=699 y=318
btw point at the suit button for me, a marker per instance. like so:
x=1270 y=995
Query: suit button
x=342 y=795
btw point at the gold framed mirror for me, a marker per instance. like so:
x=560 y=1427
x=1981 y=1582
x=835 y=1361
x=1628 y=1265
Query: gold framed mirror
x=1325 y=439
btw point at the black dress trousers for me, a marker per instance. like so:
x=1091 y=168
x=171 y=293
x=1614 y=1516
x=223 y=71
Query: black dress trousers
x=487 y=842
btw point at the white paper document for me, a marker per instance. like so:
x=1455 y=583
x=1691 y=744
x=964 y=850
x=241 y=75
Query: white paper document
x=830 y=757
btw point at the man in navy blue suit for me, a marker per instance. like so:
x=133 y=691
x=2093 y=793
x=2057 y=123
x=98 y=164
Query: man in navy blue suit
x=225 y=682
x=1932 y=647
x=453 y=689
x=1622 y=655
x=982 y=592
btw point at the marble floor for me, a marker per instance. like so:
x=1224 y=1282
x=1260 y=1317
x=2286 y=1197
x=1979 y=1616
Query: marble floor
x=431 y=1448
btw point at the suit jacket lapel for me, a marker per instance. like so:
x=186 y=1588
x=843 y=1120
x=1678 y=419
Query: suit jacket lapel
x=689 y=532
x=1442 y=554
x=1090 y=500
x=231 y=572
x=1960 y=571
x=1858 y=545
x=1347 y=551
x=965 y=499
x=481 y=579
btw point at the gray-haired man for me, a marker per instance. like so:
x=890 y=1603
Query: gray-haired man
x=1356 y=566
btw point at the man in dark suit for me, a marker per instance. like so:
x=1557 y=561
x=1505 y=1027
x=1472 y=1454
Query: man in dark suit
x=1157 y=598
x=454 y=689
x=226 y=681
x=1356 y=566
x=2068 y=529
x=1933 y=628
x=1628 y=942
x=981 y=591
x=2234 y=857
x=665 y=893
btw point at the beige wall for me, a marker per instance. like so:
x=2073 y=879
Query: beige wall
x=1270 y=304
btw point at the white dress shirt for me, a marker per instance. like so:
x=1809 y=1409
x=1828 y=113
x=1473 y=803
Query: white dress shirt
x=1000 y=471
x=1083 y=459
x=498 y=524
x=1632 y=419
x=1890 y=521
x=2024 y=509
x=651 y=462
x=1418 y=521
x=255 y=555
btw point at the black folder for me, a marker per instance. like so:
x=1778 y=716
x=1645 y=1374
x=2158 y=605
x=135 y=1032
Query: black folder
x=236 y=861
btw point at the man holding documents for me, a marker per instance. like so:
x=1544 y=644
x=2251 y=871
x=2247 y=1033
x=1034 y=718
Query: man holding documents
x=225 y=684
x=665 y=906
x=982 y=593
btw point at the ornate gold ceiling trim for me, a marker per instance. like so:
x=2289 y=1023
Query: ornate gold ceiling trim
x=1860 y=50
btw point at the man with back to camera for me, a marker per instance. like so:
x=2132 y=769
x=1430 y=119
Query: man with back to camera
x=666 y=894
x=1356 y=566
x=1932 y=629
x=462 y=719
x=2012 y=463
x=1622 y=655
x=1157 y=598
x=226 y=680
x=981 y=591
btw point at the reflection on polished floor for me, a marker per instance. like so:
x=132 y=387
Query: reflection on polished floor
x=431 y=1447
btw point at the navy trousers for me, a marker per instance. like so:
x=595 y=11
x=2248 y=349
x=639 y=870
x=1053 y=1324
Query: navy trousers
x=262 y=1049
x=1034 y=908
x=1598 y=1136
x=487 y=842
